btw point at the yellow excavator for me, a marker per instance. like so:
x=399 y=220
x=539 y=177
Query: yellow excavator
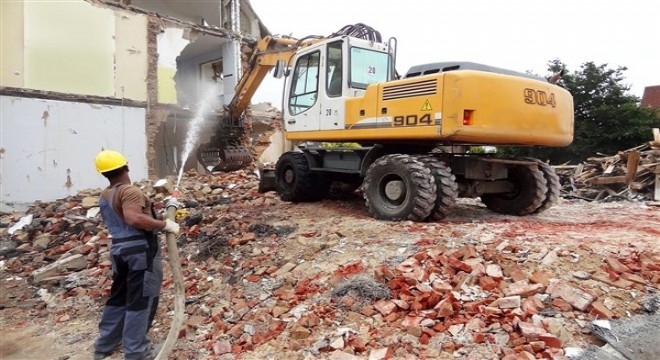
x=413 y=132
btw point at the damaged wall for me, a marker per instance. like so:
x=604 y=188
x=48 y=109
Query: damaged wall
x=63 y=58
x=74 y=47
x=49 y=152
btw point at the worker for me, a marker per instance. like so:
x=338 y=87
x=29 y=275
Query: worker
x=137 y=269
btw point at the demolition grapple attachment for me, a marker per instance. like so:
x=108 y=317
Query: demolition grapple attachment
x=225 y=151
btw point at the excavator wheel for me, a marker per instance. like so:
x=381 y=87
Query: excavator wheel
x=398 y=187
x=529 y=192
x=553 y=185
x=447 y=188
x=295 y=182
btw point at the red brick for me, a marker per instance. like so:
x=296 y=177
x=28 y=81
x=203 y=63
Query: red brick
x=391 y=317
x=411 y=320
x=509 y=302
x=634 y=278
x=620 y=283
x=479 y=338
x=575 y=296
x=221 y=347
x=616 y=265
x=492 y=311
x=487 y=283
x=444 y=307
x=514 y=272
x=523 y=289
x=550 y=340
x=529 y=306
x=385 y=307
x=494 y=271
x=381 y=354
x=541 y=277
x=598 y=309
x=562 y=304
x=537 y=345
x=457 y=264
x=530 y=330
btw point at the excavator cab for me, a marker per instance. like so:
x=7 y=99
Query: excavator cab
x=320 y=78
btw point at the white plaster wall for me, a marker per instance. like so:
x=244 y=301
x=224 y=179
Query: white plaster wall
x=47 y=148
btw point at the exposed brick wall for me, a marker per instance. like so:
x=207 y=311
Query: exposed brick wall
x=651 y=97
x=156 y=114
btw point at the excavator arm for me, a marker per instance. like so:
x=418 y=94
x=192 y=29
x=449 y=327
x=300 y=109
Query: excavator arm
x=225 y=151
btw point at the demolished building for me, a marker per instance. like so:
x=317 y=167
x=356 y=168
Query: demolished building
x=85 y=75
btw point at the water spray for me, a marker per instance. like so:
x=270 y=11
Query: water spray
x=193 y=130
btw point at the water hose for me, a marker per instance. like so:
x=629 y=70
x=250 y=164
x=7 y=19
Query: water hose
x=179 y=290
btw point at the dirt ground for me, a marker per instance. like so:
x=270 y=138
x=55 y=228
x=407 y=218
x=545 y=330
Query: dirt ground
x=261 y=275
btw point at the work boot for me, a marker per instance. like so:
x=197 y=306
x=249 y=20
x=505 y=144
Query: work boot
x=100 y=355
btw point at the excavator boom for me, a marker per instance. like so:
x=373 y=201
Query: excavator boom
x=225 y=151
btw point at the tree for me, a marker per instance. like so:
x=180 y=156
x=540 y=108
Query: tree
x=607 y=117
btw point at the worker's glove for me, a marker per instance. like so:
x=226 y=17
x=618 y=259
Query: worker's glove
x=171 y=227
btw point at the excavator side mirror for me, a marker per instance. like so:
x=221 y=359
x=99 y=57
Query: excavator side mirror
x=280 y=69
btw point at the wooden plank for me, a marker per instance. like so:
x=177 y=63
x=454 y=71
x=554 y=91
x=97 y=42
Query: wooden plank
x=609 y=169
x=656 y=197
x=604 y=180
x=656 y=134
x=579 y=169
x=631 y=166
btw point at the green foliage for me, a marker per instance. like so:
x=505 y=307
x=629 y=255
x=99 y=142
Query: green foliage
x=607 y=117
x=333 y=145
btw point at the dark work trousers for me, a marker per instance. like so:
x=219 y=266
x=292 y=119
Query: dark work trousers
x=130 y=310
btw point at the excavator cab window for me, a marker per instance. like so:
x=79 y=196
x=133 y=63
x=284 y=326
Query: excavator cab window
x=304 y=84
x=368 y=67
x=333 y=71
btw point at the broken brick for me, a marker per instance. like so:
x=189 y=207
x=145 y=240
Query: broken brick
x=381 y=354
x=487 y=283
x=444 y=308
x=577 y=297
x=620 y=283
x=523 y=289
x=616 y=265
x=385 y=307
x=221 y=347
x=562 y=304
x=509 y=302
x=600 y=310
x=634 y=278
x=541 y=277
x=494 y=271
x=550 y=340
x=530 y=330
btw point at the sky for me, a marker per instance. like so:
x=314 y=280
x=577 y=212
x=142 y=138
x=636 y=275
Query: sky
x=512 y=34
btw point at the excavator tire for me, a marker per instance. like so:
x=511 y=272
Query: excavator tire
x=398 y=187
x=445 y=182
x=553 y=185
x=529 y=193
x=295 y=182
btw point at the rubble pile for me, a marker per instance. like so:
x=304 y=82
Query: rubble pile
x=270 y=279
x=629 y=175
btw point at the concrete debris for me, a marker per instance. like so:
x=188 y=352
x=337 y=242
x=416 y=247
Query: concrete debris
x=271 y=279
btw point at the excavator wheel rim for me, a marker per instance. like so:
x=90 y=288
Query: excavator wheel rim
x=420 y=189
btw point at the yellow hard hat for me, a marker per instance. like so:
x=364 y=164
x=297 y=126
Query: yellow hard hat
x=108 y=160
